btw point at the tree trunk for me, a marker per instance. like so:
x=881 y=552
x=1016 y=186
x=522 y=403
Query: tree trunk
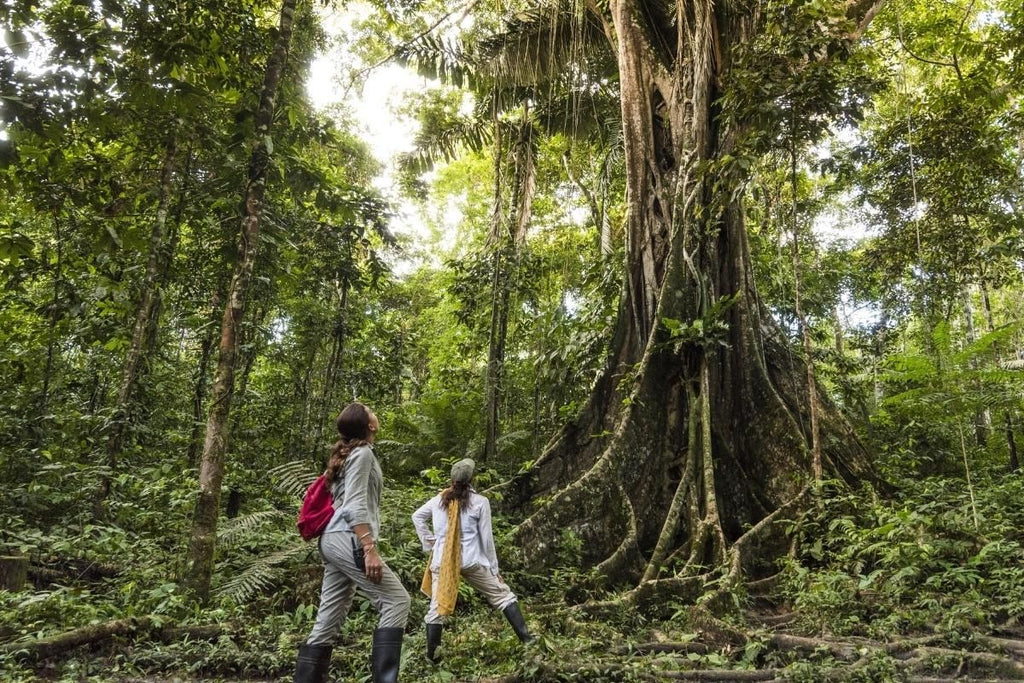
x=201 y=383
x=211 y=472
x=13 y=572
x=805 y=333
x=333 y=370
x=982 y=418
x=1011 y=442
x=149 y=295
x=711 y=423
x=496 y=353
x=58 y=275
x=505 y=262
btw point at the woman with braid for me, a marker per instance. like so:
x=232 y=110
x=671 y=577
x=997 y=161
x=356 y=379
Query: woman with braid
x=460 y=538
x=351 y=560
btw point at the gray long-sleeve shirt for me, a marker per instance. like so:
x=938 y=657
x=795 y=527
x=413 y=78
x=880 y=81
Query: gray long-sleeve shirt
x=359 y=489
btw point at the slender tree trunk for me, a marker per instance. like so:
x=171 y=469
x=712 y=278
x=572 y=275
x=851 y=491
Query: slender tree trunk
x=805 y=334
x=202 y=545
x=496 y=353
x=149 y=295
x=837 y=329
x=982 y=418
x=505 y=263
x=495 y=240
x=333 y=370
x=51 y=343
x=304 y=394
x=600 y=216
x=201 y=382
x=1011 y=442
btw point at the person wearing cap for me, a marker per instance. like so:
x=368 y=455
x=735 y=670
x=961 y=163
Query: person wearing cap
x=461 y=514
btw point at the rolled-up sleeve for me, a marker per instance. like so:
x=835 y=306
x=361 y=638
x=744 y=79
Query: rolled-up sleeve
x=357 y=477
x=420 y=520
x=486 y=535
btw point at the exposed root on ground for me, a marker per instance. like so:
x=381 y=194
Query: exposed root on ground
x=710 y=641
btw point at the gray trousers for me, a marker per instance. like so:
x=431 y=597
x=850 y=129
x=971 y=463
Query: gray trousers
x=341 y=579
x=494 y=590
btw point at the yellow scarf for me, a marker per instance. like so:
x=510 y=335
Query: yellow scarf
x=450 y=571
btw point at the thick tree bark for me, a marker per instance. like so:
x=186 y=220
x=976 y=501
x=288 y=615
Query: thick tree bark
x=156 y=262
x=687 y=440
x=202 y=544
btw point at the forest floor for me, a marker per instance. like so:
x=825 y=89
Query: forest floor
x=767 y=643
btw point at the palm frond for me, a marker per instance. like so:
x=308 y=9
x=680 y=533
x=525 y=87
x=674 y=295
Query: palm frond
x=446 y=141
x=535 y=45
x=445 y=60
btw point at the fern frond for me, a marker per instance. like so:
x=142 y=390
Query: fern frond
x=511 y=438
x=261 y=575
x=293 y=477
x=243 y=526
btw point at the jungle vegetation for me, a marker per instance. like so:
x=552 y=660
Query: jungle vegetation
x=725 y=298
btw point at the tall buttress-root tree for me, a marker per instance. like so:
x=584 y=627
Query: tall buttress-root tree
x=699 y=427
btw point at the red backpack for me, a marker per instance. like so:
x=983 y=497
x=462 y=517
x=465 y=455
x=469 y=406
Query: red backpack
x=317 y=509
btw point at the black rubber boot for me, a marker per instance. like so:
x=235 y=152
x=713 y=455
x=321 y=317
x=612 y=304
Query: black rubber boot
x=313 y=663
x=515 y=617
x=434 y=642
x=387 y=654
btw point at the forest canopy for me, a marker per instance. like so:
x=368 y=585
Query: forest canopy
x=724 y=298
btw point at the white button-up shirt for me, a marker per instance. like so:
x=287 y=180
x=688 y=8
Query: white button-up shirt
x=475 y=525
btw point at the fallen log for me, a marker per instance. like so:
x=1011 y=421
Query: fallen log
x=43 y=648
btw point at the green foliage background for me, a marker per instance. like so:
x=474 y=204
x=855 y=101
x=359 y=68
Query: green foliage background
x=905 y=197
